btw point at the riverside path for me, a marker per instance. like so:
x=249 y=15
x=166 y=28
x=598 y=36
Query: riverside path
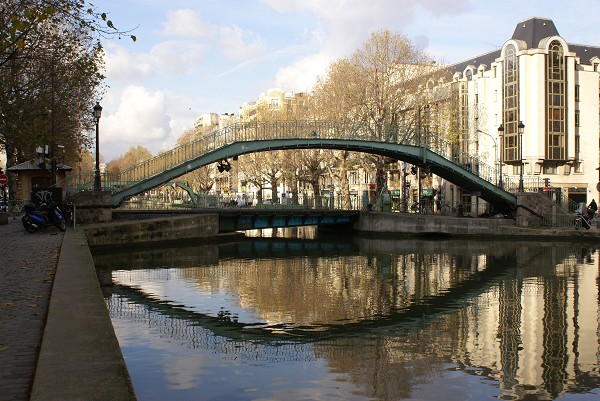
x=27 y=268
x=57 y=342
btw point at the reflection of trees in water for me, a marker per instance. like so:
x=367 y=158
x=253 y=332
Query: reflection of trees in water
x=386 y=368
x=329 y=290
x=523 y=330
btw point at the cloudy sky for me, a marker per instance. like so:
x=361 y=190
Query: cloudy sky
x=194 y=57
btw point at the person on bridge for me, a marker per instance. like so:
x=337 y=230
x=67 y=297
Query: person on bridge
x=592 y=209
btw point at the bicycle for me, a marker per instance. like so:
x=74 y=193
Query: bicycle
x=421 y=207
x=447 y=208
x=581 y=221
x=68 y=212
x=402 y=206
x=15 y=207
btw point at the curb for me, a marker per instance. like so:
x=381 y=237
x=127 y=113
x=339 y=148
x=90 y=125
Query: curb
x=80 y=357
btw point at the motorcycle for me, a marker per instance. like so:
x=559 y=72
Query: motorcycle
x=45 y=215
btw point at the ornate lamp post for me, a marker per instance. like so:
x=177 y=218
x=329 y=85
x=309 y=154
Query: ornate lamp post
x=495 y=152
x=521 y=128
x=97 y=114
x=501 y=137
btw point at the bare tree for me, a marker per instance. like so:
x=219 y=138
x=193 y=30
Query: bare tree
x=250 y=167
x=201 y=179
x=380 y=87
x=312 y=168
x=341 y=162
x=135 y=155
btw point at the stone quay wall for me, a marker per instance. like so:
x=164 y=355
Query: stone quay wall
x=184 y=228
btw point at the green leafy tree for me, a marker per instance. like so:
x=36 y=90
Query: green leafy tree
x=50 y=75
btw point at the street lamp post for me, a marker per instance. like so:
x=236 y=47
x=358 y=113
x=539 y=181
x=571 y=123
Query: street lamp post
x=495 y=151
x=521 y=128
x=97 y=114
x=501 y=137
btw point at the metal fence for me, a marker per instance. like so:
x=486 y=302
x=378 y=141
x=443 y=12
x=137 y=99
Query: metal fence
x=260 y=131
x=558 y=220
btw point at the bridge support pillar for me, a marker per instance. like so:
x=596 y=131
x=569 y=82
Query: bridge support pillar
x=92 y=207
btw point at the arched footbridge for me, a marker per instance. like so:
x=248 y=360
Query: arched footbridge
x=424 y=149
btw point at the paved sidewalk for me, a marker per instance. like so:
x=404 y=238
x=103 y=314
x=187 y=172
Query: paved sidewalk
x=79 y=349
x=27 y=268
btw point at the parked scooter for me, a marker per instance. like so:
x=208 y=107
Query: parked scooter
x=45 y=215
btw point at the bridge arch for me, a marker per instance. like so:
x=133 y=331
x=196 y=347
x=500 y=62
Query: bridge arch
x=469 y=176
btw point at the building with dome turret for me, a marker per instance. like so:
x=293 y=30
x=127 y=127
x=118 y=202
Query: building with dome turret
x=532 y=108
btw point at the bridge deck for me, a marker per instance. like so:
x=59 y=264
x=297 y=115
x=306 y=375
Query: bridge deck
x=237 y=219
x=440 y=156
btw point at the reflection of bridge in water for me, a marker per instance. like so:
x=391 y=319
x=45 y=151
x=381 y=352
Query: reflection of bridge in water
x=423 y=304
x=425 y=149
x=327 y=245
x=496 y=272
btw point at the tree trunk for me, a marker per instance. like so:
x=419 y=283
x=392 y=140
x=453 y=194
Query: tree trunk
x=294 y=190
x=274 y=196
x=11 y=160
x=345 y=190
x=259 y=194
x=317 y=193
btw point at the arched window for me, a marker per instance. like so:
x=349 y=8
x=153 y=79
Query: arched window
x=555 y=103
x=510 y=145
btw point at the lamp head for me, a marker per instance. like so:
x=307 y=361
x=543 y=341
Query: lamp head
x=97 y=111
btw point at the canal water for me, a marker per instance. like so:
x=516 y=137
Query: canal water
x=295 y=315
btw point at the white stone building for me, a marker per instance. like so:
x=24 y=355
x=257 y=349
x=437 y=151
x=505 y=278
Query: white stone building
x=214 y=120
x=548 y=85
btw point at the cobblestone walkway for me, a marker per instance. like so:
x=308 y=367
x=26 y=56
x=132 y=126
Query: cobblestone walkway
x=27 y=268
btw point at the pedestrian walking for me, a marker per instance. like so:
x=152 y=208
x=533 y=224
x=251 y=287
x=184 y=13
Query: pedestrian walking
x=592 y=209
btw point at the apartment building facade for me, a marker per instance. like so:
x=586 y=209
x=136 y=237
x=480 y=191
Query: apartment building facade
x=532 y=108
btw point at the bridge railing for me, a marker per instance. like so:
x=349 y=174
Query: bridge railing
x=219 y=138
x=256 y=131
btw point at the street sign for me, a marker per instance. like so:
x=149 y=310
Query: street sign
x=3 y=179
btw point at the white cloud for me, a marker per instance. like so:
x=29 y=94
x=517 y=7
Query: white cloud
x=344 y=25
x=186 y=23
x=240 y=44
x=177 y=56
x=141 y=118
x=301 y=76
x=125 y=66
x=192 y=61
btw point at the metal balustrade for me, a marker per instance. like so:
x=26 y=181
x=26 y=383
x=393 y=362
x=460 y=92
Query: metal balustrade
x=261 y=131
x=364 y=137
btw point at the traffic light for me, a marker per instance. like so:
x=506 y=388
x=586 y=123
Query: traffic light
x=223 y=166
x=546 y=182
